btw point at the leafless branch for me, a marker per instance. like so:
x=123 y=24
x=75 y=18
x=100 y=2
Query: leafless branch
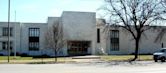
x=136 y=16
x=54 y=37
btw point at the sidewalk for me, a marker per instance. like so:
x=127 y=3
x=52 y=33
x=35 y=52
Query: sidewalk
x=84 y=59
x=76 y=59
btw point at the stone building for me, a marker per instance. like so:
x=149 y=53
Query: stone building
x=83 y=34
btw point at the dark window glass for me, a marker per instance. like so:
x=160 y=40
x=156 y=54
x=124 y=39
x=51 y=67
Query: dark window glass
x=5 y=31
x=33 y=39
x=5 y=44
x=33 y=46
x=98 y=35
x=78 y=47
x=34 y=34
x=114 y=40
x=114 y=34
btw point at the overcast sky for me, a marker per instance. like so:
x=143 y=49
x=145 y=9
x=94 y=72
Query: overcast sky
x=39 y=10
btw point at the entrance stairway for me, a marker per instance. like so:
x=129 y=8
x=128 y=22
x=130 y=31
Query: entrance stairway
x=90 y=58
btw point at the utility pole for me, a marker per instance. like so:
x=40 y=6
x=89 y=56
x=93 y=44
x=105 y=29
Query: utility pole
x=15 y=50
x=8 y=47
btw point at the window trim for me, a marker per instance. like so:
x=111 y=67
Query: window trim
x=34 y=33
x=114 y=45
x=5 y=31
x=5 y=43
x=34 y=46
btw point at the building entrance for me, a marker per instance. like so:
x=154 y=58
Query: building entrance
x=78 y=47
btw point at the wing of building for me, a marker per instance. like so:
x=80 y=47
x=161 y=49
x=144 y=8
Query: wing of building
x=83 y=35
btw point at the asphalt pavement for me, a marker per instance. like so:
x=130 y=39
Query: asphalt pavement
x=95 y=67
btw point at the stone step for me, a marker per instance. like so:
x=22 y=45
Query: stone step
x=86 y=57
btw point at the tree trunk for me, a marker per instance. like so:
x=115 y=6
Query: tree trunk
x=136 y=49
x=42 y=56
x=55 y=52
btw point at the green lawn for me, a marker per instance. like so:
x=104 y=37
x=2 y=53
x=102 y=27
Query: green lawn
x=125 y=57
x=15 y=58
x=18 y=59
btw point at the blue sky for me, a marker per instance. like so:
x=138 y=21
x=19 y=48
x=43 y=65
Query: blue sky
x=39 y=10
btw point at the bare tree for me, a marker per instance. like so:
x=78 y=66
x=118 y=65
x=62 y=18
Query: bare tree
x=160 y=35
x=163 y=3
x=135 y=16
x=54 y=38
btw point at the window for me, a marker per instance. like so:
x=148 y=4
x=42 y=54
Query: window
x=98 y=35
x=114 y=33
x=5 y=31
x=5 y=44
x=34 y=34
x=78 y=47
x=34 y=46
x=114 y=40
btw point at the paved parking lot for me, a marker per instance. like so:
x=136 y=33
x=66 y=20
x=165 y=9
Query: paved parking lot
x=95 y=67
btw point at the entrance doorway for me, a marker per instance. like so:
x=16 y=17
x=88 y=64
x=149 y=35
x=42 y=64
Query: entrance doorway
x=78 y=47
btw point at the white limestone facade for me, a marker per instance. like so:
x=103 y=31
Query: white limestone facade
x=83 y=35
x=14 y=38
x=25 y=37
x=126 y=44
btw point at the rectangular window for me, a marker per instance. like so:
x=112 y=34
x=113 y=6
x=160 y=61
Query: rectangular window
x=114 y=33
x=33 y=39
x=78 y=47
x=5 y=44
x=114 y=40
x=98 y=35
x=5 y=31
x=34 y=34
x=33 y=46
